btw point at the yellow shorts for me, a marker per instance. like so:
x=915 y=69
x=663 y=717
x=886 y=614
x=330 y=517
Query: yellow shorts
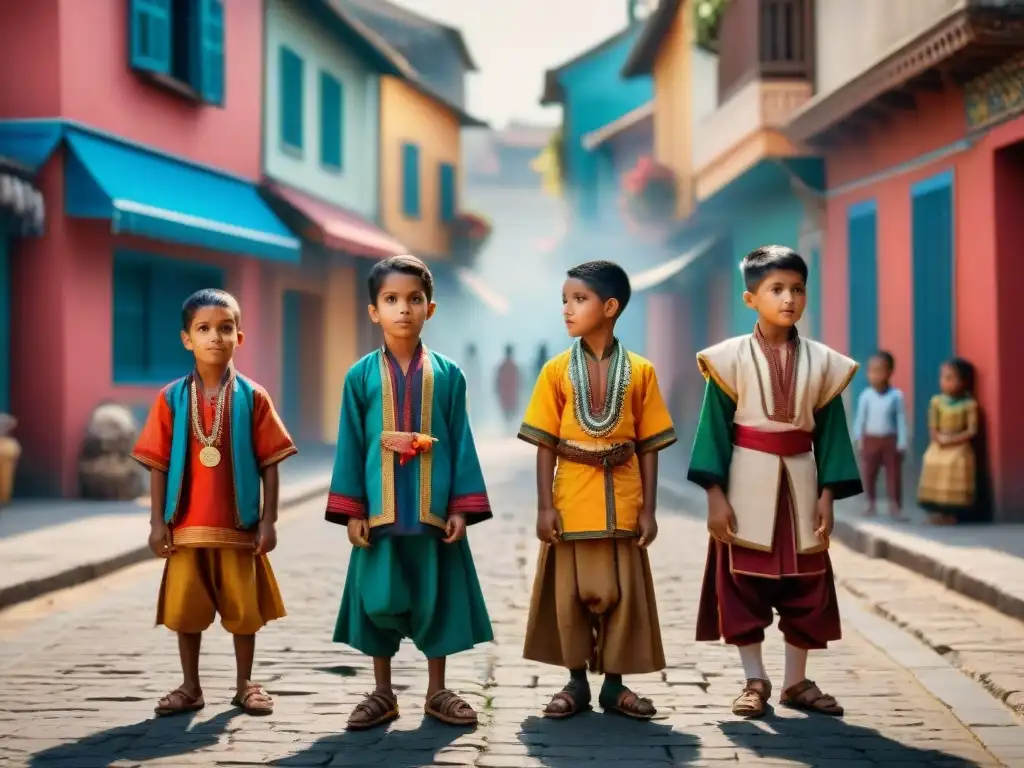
x=200 y=582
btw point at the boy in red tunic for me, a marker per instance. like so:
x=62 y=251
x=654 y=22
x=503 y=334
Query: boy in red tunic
x=210 y=440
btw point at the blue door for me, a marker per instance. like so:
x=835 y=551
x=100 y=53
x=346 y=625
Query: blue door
x=862 y=250
x=291 y=362
x=932 y=233
x=5 y=322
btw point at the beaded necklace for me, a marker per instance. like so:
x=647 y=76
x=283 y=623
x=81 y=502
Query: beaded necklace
x=603 y=423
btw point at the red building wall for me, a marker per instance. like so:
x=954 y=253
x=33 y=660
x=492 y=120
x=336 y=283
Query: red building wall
x=884 y=164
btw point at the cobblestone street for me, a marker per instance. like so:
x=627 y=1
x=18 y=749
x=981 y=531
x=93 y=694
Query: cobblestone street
x=82 y=670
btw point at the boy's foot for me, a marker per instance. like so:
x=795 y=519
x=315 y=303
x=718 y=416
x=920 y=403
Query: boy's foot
x=253 y=700
x=808 y=697
x=569 y=701
x=752 y=701
x=448 y=707
x=375 y=709
x=622 y=701
x=178 y=702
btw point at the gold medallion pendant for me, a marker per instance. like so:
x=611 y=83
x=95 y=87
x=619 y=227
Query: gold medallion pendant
x=209 y=456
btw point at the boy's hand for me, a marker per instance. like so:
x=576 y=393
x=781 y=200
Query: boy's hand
x=359 y=532
x=455 y=528
x=266 y=538
x=648 y=530
x=160 y=541
x=824 y=517
x=721 y=519
x=549 y=527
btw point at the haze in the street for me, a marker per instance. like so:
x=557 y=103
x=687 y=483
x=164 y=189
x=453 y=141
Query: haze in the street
x=514 y=43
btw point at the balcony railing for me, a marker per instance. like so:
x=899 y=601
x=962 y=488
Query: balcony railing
x=764 y=39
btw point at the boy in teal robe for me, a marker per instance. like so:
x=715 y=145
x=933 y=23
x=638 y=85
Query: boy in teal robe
x=406 y=483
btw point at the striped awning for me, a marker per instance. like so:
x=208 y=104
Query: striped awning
x=20 y=201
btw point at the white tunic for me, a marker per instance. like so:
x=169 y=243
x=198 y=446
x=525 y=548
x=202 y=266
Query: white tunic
x=741 y=370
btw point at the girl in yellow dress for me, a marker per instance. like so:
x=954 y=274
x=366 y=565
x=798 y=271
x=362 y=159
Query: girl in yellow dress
x=948 y=471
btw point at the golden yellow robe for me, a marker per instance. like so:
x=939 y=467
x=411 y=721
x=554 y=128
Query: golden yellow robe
x=597 y=501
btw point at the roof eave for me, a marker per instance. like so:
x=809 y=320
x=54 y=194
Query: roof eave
x=641 y=58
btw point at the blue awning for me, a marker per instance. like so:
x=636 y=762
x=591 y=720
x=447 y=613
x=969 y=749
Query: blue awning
x=29 y=142
x=152 y=195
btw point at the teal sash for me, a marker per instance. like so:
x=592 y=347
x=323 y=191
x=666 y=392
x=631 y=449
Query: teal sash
x=245 y=473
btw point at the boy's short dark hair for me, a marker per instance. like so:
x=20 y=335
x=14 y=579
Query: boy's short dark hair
x=605 y=278
x=887 y=358
x=208 y=297
x=406 y=265
x=757 y=264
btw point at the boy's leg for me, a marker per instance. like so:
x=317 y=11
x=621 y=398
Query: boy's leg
x=894 y=480
x=575 y=697
x=379 y=707
x=871 y=461
x=251 y=697
x=443 y=704
x=188 y=697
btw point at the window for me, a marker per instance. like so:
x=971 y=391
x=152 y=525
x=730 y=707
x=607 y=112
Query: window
x=862 y=255
x=446 y=172
x=411 y=180
x=290 y=84
x=148 y=293
x=181 y=44
x=332 y=119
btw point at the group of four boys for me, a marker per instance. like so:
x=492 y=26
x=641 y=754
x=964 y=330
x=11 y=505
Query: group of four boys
x=771 y=449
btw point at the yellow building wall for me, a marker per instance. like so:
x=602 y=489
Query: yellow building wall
x=341 y=302
x=407 y=116
x=672 y=100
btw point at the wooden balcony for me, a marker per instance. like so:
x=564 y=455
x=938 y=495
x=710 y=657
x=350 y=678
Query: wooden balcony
x=764 y=40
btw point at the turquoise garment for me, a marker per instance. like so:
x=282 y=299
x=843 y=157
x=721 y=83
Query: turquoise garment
x=377 y=398
x=413 y=587
x=244 y=469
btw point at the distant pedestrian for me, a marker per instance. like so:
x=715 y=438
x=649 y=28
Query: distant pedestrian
x=948 y=471
x=542 y=357
x=210 y=439
x=471 y=367
x=508 y=387
x=880 y=432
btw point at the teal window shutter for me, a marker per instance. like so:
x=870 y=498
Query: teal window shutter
x=290 y=73
x=332 y=115
x=448 y=201
x=208 y=51
x=149 y=24
x=862 y=256
x=130 y=315
x=411 y=180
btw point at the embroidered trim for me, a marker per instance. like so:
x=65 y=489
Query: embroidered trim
x=211 y=536
x=657 y=442
x=277 y=458
x=536 y=436
x=387 y=458
x=349 y=506
x=710 y=374
x=427 y=459
x=469 y=503
x=842 y=385
x=619 y=376
x=150 y=463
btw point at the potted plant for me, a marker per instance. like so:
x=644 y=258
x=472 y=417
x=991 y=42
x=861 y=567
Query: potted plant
x=650 y=192
x=707 y=18
x=10 y=452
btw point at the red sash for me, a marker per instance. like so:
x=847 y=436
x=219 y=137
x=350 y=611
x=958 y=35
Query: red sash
x=789 y=443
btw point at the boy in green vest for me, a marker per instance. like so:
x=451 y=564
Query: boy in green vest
x=210 y=439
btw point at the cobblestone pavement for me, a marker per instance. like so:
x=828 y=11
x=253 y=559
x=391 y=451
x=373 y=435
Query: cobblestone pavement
x=82 y=670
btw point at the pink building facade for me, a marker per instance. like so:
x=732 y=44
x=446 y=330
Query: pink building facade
x=142 y=125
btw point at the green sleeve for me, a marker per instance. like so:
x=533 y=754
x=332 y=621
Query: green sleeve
x=712 y=447
x=347 y=496
x=833 y=452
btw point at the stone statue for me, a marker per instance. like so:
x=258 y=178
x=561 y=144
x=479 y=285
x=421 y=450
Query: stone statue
x=106 y=470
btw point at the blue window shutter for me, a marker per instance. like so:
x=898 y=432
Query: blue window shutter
x=291 y=74
x=130 y=315
x=208 y=51
x=448 y=201
x=411 y=180
x=332 y=114
x=149 y=25
x=862 y=254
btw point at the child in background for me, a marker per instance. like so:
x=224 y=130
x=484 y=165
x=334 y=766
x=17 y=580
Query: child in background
x=880 y=432
x=948 y=473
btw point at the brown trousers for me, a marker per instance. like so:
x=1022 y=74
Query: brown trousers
x=876 y=453
x=593 y=605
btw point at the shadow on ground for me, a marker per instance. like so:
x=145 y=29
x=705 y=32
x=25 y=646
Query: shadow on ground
x=150 y=739
x=807 y=740
x=600 y=739
x=393 y=747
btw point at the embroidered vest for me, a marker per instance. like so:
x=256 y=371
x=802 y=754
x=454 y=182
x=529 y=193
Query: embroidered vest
x=245 y=473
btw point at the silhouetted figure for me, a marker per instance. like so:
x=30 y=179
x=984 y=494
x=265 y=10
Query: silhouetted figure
x=471 y=367
x=542 y=357
x=508 y=389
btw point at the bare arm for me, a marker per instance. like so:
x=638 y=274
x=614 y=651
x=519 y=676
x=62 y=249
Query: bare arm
x=271 y=493
x=649 y=481
x=157 y=496
x=545 y=478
